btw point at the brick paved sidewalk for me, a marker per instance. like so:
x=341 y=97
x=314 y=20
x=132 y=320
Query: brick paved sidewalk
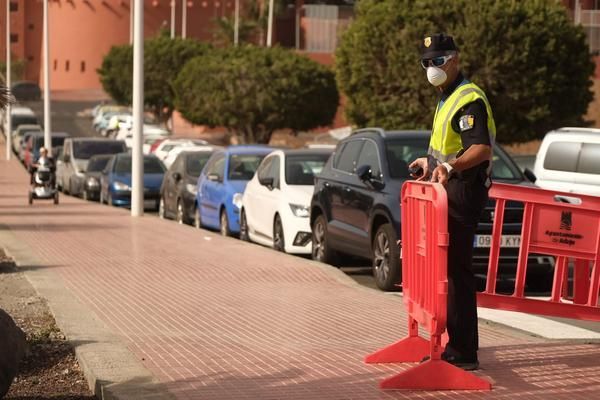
x=216 y=318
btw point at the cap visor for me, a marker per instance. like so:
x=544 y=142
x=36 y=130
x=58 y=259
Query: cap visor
x=434 y=53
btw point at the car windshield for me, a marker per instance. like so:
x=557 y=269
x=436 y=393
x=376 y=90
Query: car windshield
x=301 y=169
x=56 y=141
x=195 y=162
x=401 y=152
x=23 y=120
x=151 y=165
x=97 y=164
x=243 y=166
x=86 y=149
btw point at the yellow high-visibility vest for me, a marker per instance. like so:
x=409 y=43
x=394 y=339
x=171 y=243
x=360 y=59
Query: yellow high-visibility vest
x=445 y=142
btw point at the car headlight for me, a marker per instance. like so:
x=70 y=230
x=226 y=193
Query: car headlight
x=92 y=182
x=299 y=210
x=120 y=186
x=237 y=200
x=190 y=187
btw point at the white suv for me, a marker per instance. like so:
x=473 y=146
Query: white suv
x=569 y=161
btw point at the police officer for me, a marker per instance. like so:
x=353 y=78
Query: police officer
x=459 y=157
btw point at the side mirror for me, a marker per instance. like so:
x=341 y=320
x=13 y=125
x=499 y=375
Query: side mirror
x=530 y=175
x=364 y=173
x=268 y=182
x=214 y=177
x=176 y=176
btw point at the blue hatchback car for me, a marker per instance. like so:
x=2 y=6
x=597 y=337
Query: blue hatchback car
x=115 y=181
x=221 y=186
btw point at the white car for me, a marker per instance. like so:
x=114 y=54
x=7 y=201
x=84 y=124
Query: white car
x=148 y=130
x=275 y=204
x=163 y=150
x=172 y=156
x=569 y=161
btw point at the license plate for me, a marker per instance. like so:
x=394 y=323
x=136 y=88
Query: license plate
x=149 y=203
x=506 y=241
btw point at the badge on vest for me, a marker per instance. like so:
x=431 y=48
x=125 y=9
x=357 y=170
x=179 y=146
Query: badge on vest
x=466 y=122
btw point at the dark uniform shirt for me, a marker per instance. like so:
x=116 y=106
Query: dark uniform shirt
x=467 y=190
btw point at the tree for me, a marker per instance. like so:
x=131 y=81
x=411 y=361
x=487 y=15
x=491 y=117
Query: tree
x=530 y=59
x=163 y=59
x=254 y=91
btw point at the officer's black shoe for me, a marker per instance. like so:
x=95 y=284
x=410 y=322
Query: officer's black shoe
x=457 y=361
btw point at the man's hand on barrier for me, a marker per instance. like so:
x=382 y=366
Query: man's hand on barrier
x=440 y=175
x=420 y=163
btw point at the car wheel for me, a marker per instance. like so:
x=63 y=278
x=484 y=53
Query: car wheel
x=224 y=224
x=179 y=217
x=244 y=235
x=321 y=251
x=161 y=208
x=197 y=218
x=386 y=258
x=278 y=238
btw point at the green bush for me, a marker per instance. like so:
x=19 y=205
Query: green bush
x=531 y=60
x=254 y=91
x=163 y=59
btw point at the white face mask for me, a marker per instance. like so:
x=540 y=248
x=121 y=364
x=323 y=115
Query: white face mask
x=436 y=76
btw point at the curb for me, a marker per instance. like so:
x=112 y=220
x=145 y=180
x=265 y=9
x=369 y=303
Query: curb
x=111 y=369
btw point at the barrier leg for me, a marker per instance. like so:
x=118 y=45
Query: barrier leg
x=560 y=269
x=436 y=375
x=581 y=281
x=410 y=349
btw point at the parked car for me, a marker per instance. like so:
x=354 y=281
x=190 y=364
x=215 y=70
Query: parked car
x=355 y=208
x=115 y=181
x=174 y=152
x=569 y=160
x=26 y=91
x=178 y=191
x=221 y=185
x=105 y=113
x=19 y=116
x=36 y=141
x=147 y=130
x=70 y=174
x=17 y=135
x=276 y=202
x=525 y=162
x=91 y=186
x=167 y=146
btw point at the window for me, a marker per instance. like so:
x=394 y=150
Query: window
x=562 y=156
x=347 y=158
x=218 y=167
x=152 y=165
x=14 y=6
x=589 y=159
x=243 y=166
x=502 y=168
x=97 y=164
x=400 y=153
x=67 y=65
x=82 y=66
x=31 y=27
x=85 y=149
x=265 y=168
x=369 y=156
x=55 y=66
x=14 y=38
x=276 y=171
x=301 y=169
x=195 y=162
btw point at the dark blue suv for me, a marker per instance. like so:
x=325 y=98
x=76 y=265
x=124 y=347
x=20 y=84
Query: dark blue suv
x=355 y=208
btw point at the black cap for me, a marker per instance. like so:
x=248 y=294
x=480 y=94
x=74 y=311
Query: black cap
x=437 y=45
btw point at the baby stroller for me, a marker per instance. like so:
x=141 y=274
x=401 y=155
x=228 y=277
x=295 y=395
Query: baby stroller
x=43 y=186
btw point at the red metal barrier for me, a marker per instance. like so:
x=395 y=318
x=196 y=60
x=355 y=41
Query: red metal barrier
x=563 y=225
x=425 y=290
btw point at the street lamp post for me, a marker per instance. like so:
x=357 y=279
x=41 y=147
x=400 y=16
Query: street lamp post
x=47 y=119
x=173 y=19
x=236 y=28
x=184 y=18
x=8 y=128
x=270 y=25
x=131 y=21
x=137 y=158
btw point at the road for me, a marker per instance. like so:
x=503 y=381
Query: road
x=71 y=117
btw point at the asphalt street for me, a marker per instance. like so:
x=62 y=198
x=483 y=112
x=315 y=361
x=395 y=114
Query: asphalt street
x=73 y=117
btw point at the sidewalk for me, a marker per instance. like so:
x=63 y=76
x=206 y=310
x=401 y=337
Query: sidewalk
x=157 y=310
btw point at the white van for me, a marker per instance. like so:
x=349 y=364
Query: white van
x=569 y=161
